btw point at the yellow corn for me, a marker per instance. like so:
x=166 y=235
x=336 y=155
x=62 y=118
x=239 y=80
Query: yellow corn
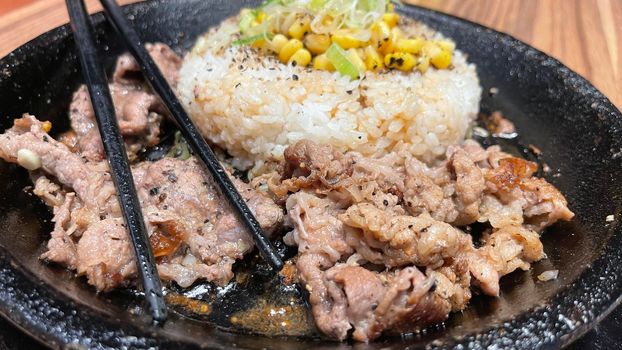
x=261 y=16
x=300 y=27
x=441 y=60
x=355 y=58
x=317 y=43
x=409 y=45
x=400 y=60
x=391 y=19
x=390 y=8
x=322 y=62
x=289 y=49
x=381 y=35
x=423 y=63
x=302 y=58
x=278 y=42
x=389 y=47
x=439 y=57
x=446 y=45
x=261 y=43
x=373 y=61
x=46 y=126
x=345 y=39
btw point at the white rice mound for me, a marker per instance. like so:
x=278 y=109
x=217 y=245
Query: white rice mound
x=253 y=106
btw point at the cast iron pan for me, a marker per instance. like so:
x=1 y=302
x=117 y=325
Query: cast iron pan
x=575 y=126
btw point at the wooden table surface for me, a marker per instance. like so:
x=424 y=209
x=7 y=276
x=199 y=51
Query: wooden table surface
x=586 y=35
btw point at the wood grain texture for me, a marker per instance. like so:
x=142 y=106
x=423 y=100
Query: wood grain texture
x=586 y=35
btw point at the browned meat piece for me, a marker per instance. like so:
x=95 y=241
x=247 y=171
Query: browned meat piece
x=193 y=231
x=511 y=248
x=398 y=240
x=128 y=71
x=180 y=198
x=105 y=255
x=308 y=164
x=61 y=246
x=139 y=114
x=322 y=241
x=317 y=228
x=397 y=212
x=469 y=187
x=498 y=124
x=531 y=200
x=138 y=110
x=394 y=302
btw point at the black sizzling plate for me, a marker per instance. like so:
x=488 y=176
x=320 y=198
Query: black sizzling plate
x=575 y=126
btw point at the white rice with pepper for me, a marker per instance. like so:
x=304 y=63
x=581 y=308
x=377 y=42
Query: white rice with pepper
x=254 y=106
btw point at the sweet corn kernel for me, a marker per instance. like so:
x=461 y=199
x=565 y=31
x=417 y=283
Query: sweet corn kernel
x=346 y=40
x=423 y=63
x=355 y=58
x=317 y=43
x=289 y=49
x=381 y=34
x=430 y=49
x=390 y=7
x=412 y=46
x=400 y=60
x=278 y=42
x=373 y=61
x=322 y=62
x=261 y=43
x=446 y=45
x=439 y=57
x=261 y=16
x=302 y=58
x=391 y=19
x=441 y=60
x=389 y=46
x=300 y=28
x=46 y=126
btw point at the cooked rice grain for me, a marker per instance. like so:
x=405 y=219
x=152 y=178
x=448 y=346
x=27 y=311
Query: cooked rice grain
x=254 y=106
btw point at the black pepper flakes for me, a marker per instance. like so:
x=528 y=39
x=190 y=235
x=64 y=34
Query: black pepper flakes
x=154 y=191
x=45 y=139
x=385 y=202
x=349 y=92
x=295 y=77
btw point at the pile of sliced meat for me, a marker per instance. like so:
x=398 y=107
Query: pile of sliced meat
x=379 y=243
x=193 y=232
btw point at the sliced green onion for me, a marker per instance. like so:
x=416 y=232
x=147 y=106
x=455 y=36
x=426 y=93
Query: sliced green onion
x=317 y=5
x=338 y=57
x=251 y=39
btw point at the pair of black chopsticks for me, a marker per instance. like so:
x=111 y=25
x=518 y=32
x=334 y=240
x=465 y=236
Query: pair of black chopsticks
x=97 y=84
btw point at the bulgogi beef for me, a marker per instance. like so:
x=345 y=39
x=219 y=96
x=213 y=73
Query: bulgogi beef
x=193 y=232
x=381 y=241
x=359 y=219
x=139 y=111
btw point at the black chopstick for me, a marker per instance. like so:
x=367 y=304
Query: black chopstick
x=190 y=132
x=97 y=84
